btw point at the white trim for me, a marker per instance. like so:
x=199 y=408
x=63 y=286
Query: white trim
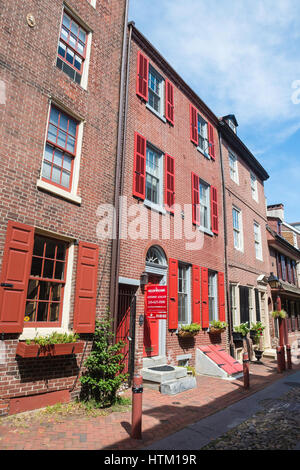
x=259 y=242
x=254 y=190
x=86 y=64
x=236 y=179
x=58 y=191
x=241 y=233
x=129 y=281
x=30 y=333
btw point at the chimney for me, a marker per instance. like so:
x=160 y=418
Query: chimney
x=276 y=210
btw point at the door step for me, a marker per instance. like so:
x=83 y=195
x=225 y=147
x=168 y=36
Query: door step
x=168 y=379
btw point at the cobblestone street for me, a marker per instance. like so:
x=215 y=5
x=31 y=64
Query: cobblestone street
x=276 y=427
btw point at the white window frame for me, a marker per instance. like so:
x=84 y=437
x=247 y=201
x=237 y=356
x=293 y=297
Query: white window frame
x=161 y=95
x=51 y=188
x=213 y=289
x=257 y=241
x=238 y=230
x=187 y=293
x=233 y=169
x=254 y=190
x=204 y=135
x=159 y=206
x=31 y=332
x=252 y=305
x=206 y=186
x=234 y=303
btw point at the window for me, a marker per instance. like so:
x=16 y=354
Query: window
x=60 y=149
x=232 y=125
x=233 y=168
x=257 y=241
x=71 y=48
x=204 y=197
x=46 y=282
x=233 y=299
x=212 y=296
x=184 y=315
x=154 y=163
x=254 y=187
x=237 y=229
x=202 y=135
x=155 y=91
x=283 y=268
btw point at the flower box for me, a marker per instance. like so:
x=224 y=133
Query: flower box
x=187 y=334
x=216 y=331
x=59 y=349
x=237 y=336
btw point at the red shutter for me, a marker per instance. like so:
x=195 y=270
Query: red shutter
x=169 y=183
x=196 y=293
x=169 y=102
x=86 y=288
x=142 y=76
x=211 y=141
x=221 y=294
x=214 y=210
x=16 y=267
x=204 y=297
x=193 y=125
x=139 y=166
x=173 y=294
x=195 y=199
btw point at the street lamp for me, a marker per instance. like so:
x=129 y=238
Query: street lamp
x=274 y=281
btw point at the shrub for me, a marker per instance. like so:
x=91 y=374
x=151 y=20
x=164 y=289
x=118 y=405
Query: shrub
x=103 y=376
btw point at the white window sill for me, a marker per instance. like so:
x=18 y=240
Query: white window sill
x=32 y=332
x=239 y=249
x=43 y=185
x=155 y=207
x=206 y=230
x=162 y=118
x=203 y=153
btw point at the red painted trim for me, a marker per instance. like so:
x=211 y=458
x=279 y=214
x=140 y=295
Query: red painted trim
x=173 y=294
x=211 y=141
x=193 y=124
x=195 y=199
x=196 y=299
x=221 y=294
x=169 y=102
x=169 y=183
x=204 y=297
x=214 y=210
x=139 y=166
x=32 y=402
x=142 y=76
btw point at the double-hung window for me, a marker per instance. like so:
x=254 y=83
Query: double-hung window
x=233 y=167
x=46 y=282
x=184 y=299
x=254 y=187
x=154 y=163
x=237 y=229
x=202 y=135
x=257 y=241
x=212 y=296
x=71 y=52
x=155 y=91
x=60 y=149
x=204 y=200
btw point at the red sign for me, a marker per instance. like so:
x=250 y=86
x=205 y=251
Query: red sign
x=157 y=302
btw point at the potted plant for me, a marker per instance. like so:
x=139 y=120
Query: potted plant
x=189 y=331
x=240 y=331
x=217 y=327
x=279 y=314
x=257 y=329
x=56 y=344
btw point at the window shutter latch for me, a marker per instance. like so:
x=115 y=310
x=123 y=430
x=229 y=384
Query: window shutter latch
x=6 y=284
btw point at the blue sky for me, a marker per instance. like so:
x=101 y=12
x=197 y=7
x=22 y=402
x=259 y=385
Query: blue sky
x=241 y=57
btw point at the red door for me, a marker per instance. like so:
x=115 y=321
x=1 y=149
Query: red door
x=151 y=328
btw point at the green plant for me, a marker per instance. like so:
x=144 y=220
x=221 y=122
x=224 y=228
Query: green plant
x=279 y=314
x=192 y=328
x=221 y=325
x=103 y=376
x=258 y=327
x=53 y=338
x=243 y=328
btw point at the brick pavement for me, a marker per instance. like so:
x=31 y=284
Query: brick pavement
x=162 y=415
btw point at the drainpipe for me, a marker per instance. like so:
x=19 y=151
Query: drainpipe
x=115 y=253
x=230 y=320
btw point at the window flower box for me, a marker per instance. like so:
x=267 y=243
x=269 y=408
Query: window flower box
x=49 y=350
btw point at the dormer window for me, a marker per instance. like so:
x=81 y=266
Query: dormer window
x=232 y=125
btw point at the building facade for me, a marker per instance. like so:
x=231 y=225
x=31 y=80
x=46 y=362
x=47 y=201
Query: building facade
x=172 y=215
x=245 y=234
x=59 y=108
x=283 y=239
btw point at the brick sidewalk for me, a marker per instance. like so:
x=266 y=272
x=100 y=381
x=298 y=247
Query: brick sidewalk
x=162 y=415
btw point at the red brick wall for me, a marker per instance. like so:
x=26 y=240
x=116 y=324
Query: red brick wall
x=30 y=76
x=174 y=140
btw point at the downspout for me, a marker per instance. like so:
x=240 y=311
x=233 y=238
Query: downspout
x=115 y=253
x=230 y=320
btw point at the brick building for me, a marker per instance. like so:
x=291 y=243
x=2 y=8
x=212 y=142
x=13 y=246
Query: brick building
x=283 y=242
x=245 y=234
x=59 y=107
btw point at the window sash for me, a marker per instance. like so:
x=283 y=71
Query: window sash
x=183 y=294
x=45 y=290
x=212 y=296
x=155 y=85
x=204 y=202
x=236 y=216
x=202 y=133
x=153 y=176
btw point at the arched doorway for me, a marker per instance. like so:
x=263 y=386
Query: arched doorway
x=156 y=267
